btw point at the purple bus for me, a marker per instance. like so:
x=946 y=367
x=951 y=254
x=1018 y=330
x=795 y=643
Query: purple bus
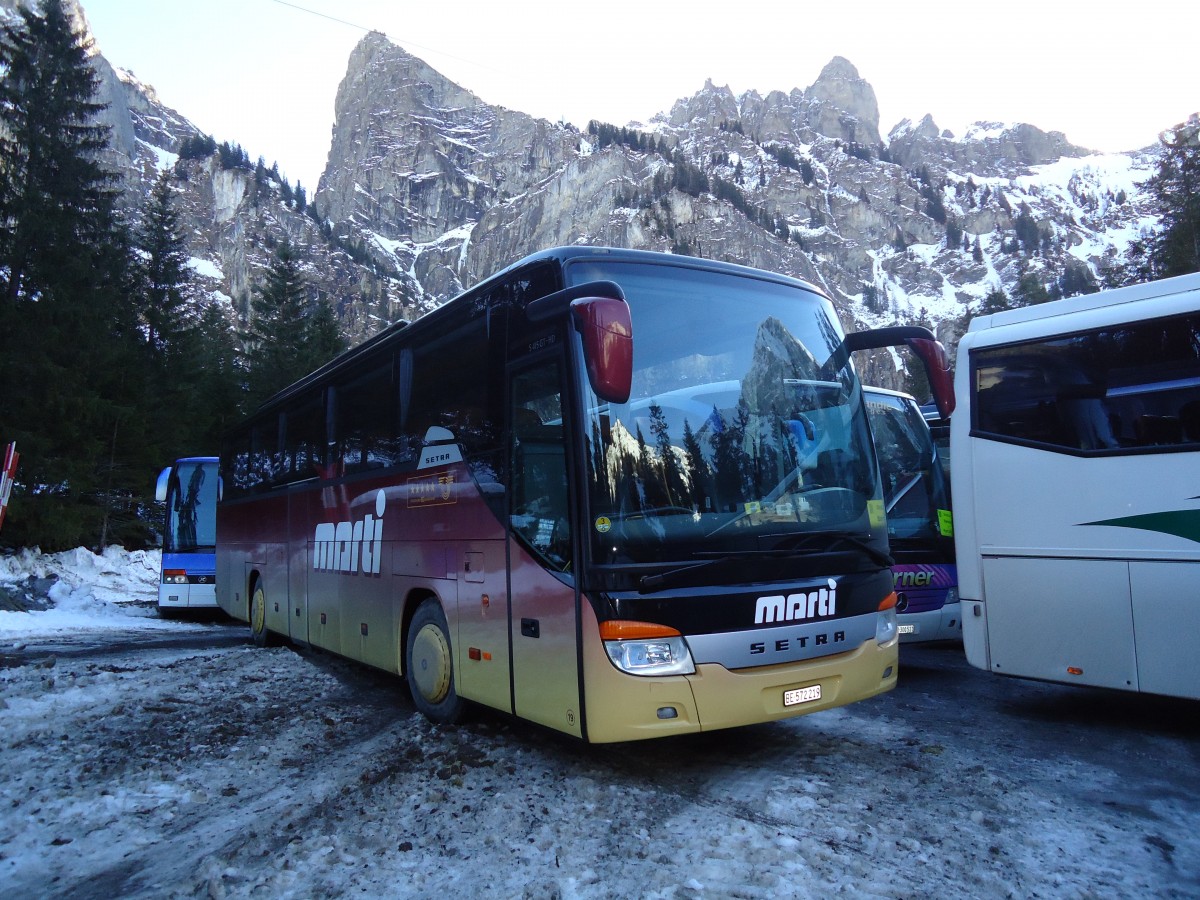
x=916 y=494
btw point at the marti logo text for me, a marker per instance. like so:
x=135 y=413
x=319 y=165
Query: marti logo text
x=351 y=546
x=797 y=607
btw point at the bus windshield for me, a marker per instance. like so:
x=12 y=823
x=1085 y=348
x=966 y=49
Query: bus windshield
x=739 y=433
x=915 y=491
x=191 y=523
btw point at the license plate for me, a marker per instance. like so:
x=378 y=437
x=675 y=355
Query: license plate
x=908 y=629
x=802 y=695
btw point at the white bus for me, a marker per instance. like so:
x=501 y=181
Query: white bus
x=1076 y=485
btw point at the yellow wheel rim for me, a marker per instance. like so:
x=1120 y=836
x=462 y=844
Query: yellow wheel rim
x=258 y=611
x=431 y=665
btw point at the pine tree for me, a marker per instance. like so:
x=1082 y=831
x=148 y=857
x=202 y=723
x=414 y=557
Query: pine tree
x=218 y=391
x=52 y=185
x=995 y=301
x=73 y=392
x=288 y=336
x=1030 y=291
x=1175 y=250
x=165 y=271
x=175 y=337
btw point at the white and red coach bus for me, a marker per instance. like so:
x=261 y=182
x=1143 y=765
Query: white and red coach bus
x=618 y=493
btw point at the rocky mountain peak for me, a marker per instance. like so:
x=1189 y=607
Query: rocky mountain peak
x=428 y=189
x=845 y=103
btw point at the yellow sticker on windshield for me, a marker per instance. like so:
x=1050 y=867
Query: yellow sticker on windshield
x=603 y=524
x=945 y=523
x=876 y=514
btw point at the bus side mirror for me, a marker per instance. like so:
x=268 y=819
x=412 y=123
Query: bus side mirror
x=160 y=487
x=937 y=367
x=922 y=342
x=606 y=327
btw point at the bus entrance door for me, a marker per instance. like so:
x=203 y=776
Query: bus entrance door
x=541 y=581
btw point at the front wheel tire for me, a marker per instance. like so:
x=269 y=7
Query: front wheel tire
x=429 y=665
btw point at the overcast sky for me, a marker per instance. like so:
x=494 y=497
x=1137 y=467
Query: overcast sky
x=264 y=73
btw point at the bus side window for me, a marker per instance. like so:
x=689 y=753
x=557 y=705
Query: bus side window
x=305 y=437
x=452 y=388
x=365 y=427
x=1131 y=387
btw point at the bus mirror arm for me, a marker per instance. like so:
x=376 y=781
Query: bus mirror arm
x=602 y=319
x=922 y=342
x=553 y=305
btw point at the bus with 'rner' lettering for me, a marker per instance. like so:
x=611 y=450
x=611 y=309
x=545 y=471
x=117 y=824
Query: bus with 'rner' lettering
x=621 y=494
x=916 y=497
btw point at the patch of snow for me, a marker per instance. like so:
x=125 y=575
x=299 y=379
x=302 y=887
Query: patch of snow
x=163 y=159
x=113 y=590
x=206 y=268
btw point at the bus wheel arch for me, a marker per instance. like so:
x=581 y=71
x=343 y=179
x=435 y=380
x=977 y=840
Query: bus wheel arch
x=429 y=661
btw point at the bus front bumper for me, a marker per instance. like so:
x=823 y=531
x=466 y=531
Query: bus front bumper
x=623 y=707
x=187 y=596
x=943 y=624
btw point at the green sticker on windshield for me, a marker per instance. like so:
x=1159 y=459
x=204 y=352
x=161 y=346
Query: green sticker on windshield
x=876 y=514
x=946 y=523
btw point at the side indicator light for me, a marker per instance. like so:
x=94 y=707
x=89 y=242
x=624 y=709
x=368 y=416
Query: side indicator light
x=888 y=602
x=1074 y=670
x=474 y=653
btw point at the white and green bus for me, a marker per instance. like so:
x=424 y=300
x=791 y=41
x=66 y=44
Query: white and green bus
x=1076 y=486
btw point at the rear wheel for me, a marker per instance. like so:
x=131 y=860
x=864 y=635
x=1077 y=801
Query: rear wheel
x=258 y=617
x=429 y=664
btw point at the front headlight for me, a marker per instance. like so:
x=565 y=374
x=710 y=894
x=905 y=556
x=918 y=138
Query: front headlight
x=951 y=595
x=885 y=626
x=660 y=657
x=643 y=648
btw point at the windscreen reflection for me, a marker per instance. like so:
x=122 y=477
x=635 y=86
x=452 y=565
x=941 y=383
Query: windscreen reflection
x=736 y=435
x=914 y=485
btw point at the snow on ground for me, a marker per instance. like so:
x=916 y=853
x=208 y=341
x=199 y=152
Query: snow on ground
x=183 y=762
x=115 y=590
